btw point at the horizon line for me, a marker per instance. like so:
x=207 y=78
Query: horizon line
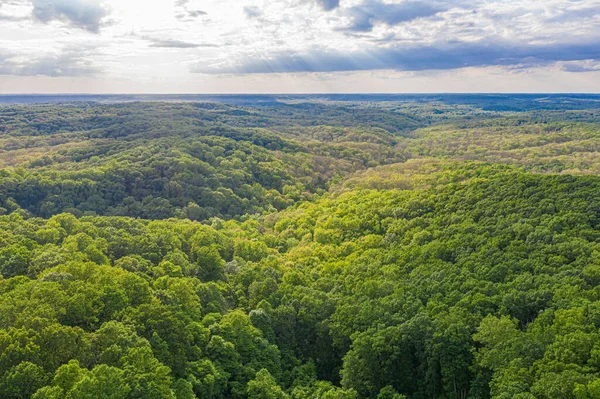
x=299 y=94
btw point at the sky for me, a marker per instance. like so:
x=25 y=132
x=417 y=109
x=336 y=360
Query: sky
x=299 y=46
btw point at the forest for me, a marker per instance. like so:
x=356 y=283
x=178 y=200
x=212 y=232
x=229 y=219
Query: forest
x=301 y=248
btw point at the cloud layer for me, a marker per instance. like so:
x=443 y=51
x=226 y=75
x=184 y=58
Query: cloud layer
x=170 y=43
x=441 y=57
x=130 y=39
x=68 y=63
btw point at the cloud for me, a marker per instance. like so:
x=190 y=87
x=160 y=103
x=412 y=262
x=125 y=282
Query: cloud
x=71 y=63
x=581 y=66
x=366 y=15
x=190 y=14
x=168 y=43
x=576 y=13
x=85 y=14
x=252 y=12
x=443 y=56
x=328 y=5
x=7 y=17
x=196 y=13
x=185 y=12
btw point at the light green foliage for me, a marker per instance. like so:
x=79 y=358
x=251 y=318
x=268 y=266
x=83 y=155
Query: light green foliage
x=263 y=386
x=22 y=380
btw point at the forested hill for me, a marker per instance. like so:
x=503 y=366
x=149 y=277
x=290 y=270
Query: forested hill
x=203 y=160
x=346 y=249
x=194 y=160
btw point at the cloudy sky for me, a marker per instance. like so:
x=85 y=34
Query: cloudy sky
x=277 y=46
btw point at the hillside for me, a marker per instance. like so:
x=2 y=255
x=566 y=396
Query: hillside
x=323 y=248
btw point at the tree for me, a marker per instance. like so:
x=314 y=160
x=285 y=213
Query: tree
x=264 y=386
x=14 y=260
x=102 y=382
x=389 y=392
x=22 y=381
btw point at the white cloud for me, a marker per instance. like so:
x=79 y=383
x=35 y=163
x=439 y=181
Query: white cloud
x=68 y=62
x=290 y=37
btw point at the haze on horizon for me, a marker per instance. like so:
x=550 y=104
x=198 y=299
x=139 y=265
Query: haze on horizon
x=299 y=46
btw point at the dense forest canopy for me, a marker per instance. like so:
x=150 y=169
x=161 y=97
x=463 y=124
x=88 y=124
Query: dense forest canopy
x=341 y=248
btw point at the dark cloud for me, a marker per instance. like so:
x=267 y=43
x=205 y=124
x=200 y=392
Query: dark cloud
x=577 y=67
x=85 y=14
x=252 y=12
x=329 y=5
x=366 y=15
x=196 y=13
x=70 y=63
x=417 y=58
x=168 y=43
